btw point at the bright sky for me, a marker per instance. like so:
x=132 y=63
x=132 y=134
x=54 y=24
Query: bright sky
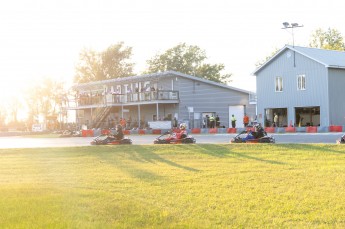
x=43 y=38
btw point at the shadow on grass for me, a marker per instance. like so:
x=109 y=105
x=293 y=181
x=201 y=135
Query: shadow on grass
x=213 y=150
x=331 y=148
x=139 y=154
x=226 y=151
x=151 y=157
x=130 y=169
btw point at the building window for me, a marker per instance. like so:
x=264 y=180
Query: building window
x=279 y=83
x=301 y=82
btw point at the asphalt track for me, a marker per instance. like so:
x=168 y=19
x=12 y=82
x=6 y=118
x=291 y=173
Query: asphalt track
x=27 y=142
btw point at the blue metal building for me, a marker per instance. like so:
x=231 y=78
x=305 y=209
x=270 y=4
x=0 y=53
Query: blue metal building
x=303 y=86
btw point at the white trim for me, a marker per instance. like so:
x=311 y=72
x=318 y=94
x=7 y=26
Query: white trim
x=278 y=84
x=301 y=82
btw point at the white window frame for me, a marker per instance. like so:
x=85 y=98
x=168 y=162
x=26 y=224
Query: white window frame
x=301 y=82
x=278 y=83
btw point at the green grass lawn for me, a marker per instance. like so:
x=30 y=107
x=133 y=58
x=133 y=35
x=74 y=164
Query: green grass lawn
x=174 y=186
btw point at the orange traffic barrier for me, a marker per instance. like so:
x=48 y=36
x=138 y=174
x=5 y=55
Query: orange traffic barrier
x=156 y=131
x=212 y=131
x=87 y=133
x=141 y=131
x=231 y=130
x=270 y=129
x=336 y=129
x=290 y=129
x=311 y=129
x=196 y=131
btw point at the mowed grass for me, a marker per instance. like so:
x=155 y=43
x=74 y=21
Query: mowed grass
x=174 y=186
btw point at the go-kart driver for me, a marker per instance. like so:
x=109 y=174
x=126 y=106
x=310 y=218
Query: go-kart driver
x=180 y=135
x=119 y=133
x=117 y=136
x=258 y=133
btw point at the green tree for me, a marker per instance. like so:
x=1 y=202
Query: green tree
x=111 y=63
x=330 y=39
x=261 y=62
x=187 y=59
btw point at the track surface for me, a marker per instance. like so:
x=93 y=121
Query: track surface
x=27 y=142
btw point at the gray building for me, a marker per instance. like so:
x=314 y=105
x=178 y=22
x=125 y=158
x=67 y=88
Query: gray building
x=303 y=86
x=143 y=100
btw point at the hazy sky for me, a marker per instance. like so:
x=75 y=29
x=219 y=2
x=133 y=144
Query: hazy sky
x=44 y=38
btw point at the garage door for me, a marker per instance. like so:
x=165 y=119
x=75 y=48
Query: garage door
x=238 y=111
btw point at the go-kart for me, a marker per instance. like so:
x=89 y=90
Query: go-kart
x=110 y=140
x=169 y=138
x=255 y=137
x=341 y=140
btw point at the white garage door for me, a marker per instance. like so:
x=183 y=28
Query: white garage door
x=238 y=111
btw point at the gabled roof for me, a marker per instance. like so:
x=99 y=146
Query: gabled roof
x=328 y=58
x=156 y=76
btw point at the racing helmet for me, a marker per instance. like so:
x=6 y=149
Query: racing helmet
x=183 y=126
x=258 y=127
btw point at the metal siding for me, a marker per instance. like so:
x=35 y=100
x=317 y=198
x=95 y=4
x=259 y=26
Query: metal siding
x=336 y=96
x=316 y=85
x=209 y=98
x=165 y=83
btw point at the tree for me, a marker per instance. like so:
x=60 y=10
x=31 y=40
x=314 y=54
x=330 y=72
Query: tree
x=3 y=114
x=108 y=64
x=187 y=59
x=261 y=62
x=330 y=39
x=44 y=99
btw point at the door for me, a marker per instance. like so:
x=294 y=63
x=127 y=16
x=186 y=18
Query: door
x=238 y=112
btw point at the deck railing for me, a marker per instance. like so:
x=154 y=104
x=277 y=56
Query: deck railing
x=113 y=99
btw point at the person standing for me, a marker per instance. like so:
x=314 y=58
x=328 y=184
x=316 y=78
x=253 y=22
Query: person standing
x=217 y=121
x=275 y=120
x=233 y=121
x=174 y=122
x=212 y=120
x=245 y=120
x=298 y=120
x=123 y=123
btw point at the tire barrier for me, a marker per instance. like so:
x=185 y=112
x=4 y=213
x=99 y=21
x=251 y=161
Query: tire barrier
x=290 y=129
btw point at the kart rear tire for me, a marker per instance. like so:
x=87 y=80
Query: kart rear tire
x=126 y=141
x=159 y=141
x=188 y=140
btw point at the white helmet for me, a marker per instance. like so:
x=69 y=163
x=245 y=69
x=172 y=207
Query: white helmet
x=183 y=126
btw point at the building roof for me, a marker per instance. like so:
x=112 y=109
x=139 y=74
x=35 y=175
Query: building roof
x=155 y=76
x=328 y=58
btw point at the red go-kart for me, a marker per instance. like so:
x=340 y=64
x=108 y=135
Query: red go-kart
x=169 y=138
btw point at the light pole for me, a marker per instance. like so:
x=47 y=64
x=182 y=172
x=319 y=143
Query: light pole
x=291 y=26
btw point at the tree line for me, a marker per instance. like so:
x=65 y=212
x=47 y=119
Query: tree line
x=115 y=62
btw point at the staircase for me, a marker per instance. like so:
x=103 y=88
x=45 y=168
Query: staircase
x=99 y=115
